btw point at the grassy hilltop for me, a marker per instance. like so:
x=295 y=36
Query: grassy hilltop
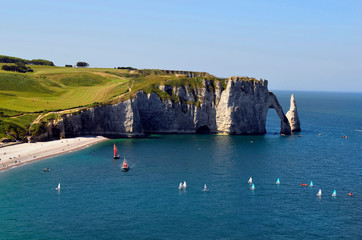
x=28 y=100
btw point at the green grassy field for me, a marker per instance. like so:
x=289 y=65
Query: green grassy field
x=26 y=97
x=53 y=88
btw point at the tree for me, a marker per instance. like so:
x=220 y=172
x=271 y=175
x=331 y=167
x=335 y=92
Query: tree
x=82 y=64
x=68 y=65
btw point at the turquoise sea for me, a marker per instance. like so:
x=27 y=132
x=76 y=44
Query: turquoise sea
x=99 y=201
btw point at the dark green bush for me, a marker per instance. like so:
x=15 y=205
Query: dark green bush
x=82 y=64
x=18 y=67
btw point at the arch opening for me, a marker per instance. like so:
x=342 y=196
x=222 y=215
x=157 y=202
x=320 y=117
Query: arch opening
x=272 y=125
x=203 y=130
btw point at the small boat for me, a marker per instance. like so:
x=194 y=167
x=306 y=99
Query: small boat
x=58 y=188
x=350 y=194
x=205 y=188
x=304 y=184
x=125 y=167
x=184 y=186
x=344 y=136
x=180 y=186
x=334 y=193
x=278 y=181
x=252 y=187
x=319 y=194
x=250 y=181
x=311 y=184
x=115 y=152
x=46 y=169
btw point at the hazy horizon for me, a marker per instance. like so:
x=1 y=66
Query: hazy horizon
x=307 y=46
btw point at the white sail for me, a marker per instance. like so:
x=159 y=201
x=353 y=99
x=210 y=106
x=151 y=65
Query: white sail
x=180 y=186
x=58 y=188
x=184 y=185
x=319 y=194
x=250 y=180
x=205 y=186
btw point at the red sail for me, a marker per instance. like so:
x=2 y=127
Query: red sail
x=115 y=152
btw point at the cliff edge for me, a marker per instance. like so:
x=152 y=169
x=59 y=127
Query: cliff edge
x=237 y=105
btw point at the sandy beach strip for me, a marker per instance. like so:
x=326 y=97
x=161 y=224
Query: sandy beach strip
x=19 y=154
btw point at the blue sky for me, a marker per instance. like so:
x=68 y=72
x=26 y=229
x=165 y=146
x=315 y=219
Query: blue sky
x=296 y=45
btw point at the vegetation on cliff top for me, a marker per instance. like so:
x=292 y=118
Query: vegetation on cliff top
x=26 y=97
x=8 y=59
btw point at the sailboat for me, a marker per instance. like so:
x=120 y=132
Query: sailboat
x=334 y=193
x=319 y=194
x=180 y=186
x=311 y=184
x=250 y=181
x=252 y=187
x=125 y=167
x=184 y=185
x=58 y=188
x=278 y=181
x=115 y=152
x=205 y=188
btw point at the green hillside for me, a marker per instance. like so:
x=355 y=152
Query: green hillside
x=27 y=99
x=53 y=88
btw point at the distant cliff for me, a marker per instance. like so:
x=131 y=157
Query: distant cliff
x=232 y=106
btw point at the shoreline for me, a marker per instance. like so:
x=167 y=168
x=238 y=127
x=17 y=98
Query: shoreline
x=23 y=153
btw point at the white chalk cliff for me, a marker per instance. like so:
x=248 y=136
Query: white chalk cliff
x=240 y=107
x=292 y=116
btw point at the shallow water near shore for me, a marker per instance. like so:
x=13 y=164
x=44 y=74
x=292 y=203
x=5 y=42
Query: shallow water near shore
x=99 y=201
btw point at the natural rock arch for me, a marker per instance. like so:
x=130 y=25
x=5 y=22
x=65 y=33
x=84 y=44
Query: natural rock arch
x=284 y=123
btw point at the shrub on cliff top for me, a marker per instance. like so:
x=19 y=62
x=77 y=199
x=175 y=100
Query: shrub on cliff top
x=82 y=64
x=18 y=67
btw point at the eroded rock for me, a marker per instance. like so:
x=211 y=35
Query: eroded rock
x=292 y=116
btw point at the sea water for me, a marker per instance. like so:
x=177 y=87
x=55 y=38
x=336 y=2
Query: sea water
x=99 y=201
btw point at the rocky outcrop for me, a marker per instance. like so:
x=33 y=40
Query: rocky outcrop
x=243 y=108
x=292 y=116
x=240 y=107
x=119 y=120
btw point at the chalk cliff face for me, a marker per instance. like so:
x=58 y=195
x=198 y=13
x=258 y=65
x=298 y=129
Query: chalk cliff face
x=239 y=108
x=292 y=116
